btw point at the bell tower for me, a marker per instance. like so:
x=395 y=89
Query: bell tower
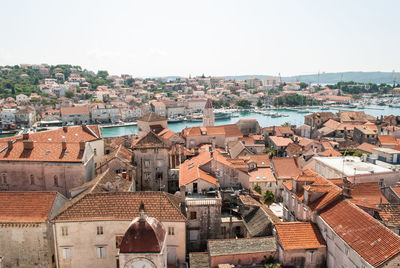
x=208 y=115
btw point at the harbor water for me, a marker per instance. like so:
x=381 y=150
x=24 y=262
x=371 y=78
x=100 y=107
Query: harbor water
x=291 y=116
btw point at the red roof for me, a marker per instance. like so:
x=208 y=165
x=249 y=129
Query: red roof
x=387 y=140
x=26 y=207
x=370 y=239
x=285 y=167
x=299 y=235
x=75 y=110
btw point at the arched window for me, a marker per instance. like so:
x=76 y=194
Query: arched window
x=55 y=180
x=4 y=178
x=32 y=179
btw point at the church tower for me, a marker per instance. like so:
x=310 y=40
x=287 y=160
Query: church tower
x=208 y=115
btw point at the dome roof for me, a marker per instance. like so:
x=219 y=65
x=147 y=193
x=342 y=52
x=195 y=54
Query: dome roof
x=144 y=235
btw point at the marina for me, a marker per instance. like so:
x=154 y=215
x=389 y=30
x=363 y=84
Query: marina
x=266 y=117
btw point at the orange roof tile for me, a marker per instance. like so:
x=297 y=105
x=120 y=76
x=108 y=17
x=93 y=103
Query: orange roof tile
x=32 y=207
x=387 y=140
x=299 y=235
x=121 y=206
x=261 y=175
x=74 y=110
x=285 y=167
x=370 y=239
x=366 y=147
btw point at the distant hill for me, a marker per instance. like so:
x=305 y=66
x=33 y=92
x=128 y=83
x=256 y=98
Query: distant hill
x=331 y=78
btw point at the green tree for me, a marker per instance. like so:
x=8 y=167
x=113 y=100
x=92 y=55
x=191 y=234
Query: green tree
x=102 y=74
x=69 y=94
x=303 y=85
x=286 y=124
x=244 y=103
x=259 y=103
x=257 y=188
x=268 y=198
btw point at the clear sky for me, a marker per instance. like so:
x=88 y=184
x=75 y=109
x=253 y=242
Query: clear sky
x=217 y=37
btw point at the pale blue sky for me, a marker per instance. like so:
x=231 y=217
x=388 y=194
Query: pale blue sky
x=158 y=38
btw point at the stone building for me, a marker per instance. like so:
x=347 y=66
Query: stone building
x=151 y=158
x=75 y=115
x=55 y=160
x=26 y=235
x=249 y=126
x=89 y=232
x=151 y=122
x=208 y=115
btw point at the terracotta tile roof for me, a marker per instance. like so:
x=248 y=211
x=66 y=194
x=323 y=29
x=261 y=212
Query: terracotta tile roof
x=330 y=152
x=367 y=194
x=294 y=149
x=371 y=240
x=32 y=207
x=190 y=171
x=332 y=124
x=67 y=133
x=285 y=167
x=396 y=190
x=42 y=152
x=149 y=140
x=166 y=133
x=261 y=175
x=227 y=130
x=299 y=235
x=280 y=141
x=151 y=117
x=387 y=140
x=74 y=110
x=389 y=214
x=121 y=206
x=262 y=160
x=366 y=147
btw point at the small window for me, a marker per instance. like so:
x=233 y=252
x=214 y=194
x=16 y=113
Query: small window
x=262 y=163
x=258 y=177
x=4 y=178
x=101 y=252
x=171 y=231
x=99 y=230
x=66 y=253
x=64 y=231
x=147 y=164
x=193 y=215
x=55 y=180
x=95 y=151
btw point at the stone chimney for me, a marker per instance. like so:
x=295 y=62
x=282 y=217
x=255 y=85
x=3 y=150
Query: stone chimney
x=64 y=145
x=10 y=144
x=82 y=145
x=65 y=128
x=28 y=144
x=25 y=136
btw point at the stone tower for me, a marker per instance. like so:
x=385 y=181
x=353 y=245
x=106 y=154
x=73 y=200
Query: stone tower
x=208 y=115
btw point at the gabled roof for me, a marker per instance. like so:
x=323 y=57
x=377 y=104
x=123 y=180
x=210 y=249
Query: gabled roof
x=366 y=147
x=117 y=206
x=370 y=239
x=231 y=130
x=389 y=214
x=299 y=235
x=149 y=140
x=387 y=140
x=190 y=171
x=26 y=207
x=257 y=222
x=285 y=167
x=151 y=117
x=280 y=141
x=367 y=194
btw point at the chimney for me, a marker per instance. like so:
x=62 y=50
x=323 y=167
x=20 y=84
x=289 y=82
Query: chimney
x=124 y=174
x=65 y=128
x=28 y=144
x=10 y=144
x=64 y=145
x=82 y=145
x=25 y=136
